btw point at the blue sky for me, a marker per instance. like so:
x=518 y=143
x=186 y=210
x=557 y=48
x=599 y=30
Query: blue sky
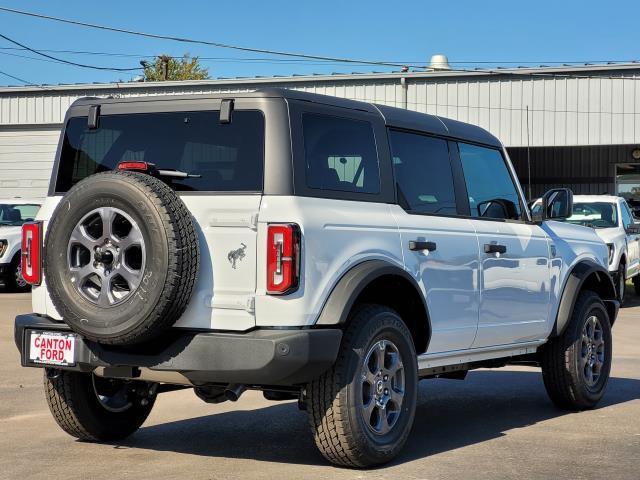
x=409 y=31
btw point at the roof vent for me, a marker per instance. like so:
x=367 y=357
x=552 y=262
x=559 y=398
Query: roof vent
x=439 y=62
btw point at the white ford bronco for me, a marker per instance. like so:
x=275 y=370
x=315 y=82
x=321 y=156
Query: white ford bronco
x=315 y=248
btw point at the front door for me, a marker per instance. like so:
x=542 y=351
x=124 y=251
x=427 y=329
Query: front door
x=514 y=270
x=440 y=248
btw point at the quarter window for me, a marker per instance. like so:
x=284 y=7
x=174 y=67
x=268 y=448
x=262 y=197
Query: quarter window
x=422 y=169
x=492 y=193
x=340 y=154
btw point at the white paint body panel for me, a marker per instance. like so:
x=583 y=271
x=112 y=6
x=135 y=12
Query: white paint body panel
x=448 y=276
x=336 y=235
x=515 y=285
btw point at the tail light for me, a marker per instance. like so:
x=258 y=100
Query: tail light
x=283 y=258
x=32 y=252
x=136 y=166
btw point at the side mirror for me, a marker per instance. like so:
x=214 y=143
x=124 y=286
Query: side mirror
x=633 y=229
x=557 y=204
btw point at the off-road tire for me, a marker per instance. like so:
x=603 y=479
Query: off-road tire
x=334 y=399
x=170 y=272
x=77 y=410
x=560 y=358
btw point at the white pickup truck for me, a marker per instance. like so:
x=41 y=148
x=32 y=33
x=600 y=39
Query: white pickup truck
x=13 y=213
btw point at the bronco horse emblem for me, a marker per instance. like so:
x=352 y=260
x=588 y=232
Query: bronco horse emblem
x=236 y=255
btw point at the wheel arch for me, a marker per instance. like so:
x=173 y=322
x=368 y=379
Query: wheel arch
x=585 y=275
x=378 y=281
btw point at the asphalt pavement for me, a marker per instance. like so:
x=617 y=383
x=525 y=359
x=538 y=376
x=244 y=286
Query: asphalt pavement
x=497 y=424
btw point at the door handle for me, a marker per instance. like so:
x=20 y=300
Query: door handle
x=420 y=245
x=494 y=248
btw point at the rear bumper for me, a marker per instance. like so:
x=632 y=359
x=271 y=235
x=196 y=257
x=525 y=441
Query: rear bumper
x=259 y=357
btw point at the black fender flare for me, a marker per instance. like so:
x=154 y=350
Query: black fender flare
x=347 y=289
x=576 y=279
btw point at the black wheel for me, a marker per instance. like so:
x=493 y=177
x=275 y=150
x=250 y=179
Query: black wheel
x=361 y=411
x=621 y=281
x=122 y=257
x=96 y=409
x=15 y=282
x=576 y=365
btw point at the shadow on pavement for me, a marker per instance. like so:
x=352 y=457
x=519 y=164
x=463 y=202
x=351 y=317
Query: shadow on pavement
x=451 y=414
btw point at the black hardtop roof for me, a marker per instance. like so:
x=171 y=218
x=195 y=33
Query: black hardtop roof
x=393 y=117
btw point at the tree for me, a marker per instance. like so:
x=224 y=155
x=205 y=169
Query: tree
x=166 y=67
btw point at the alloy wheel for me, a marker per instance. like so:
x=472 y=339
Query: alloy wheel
x=592 y=354
x=106 y=256
x=383 y=387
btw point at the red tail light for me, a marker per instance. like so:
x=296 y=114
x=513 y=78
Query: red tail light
x=283 y=258
x=137 y=166
x=32 y=252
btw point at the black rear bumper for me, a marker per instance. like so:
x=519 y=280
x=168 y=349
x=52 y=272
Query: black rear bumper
x=259 y=357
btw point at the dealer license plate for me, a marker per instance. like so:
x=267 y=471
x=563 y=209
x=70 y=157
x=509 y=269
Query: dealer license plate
x=52 y=348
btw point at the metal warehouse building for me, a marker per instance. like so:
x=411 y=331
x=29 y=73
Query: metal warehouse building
x=577 y=126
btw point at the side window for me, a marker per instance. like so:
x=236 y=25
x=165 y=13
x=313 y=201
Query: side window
x=423 y=173
x=492 y=193
x=626 y=215
x=340 y=154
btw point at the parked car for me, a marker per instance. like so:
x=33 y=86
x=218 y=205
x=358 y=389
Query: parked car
x=613 y=221
x=13 y=213
x=315 y=248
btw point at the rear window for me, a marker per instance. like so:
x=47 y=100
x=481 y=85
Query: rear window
x=340 y=154
x=222 y=157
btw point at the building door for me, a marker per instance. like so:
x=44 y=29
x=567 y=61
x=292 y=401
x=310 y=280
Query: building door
x=628 y=185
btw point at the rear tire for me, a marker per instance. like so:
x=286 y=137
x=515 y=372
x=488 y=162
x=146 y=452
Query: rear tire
x=576 y=365
x=77 y=409
x=361 y=411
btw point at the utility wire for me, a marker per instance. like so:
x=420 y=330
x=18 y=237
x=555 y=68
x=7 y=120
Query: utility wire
x=82 y=65
x=21 y=80
x=204 y=42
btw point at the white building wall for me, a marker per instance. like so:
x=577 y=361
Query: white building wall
x=520 y=110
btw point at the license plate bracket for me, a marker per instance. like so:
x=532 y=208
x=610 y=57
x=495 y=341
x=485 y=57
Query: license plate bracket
x=51 y=348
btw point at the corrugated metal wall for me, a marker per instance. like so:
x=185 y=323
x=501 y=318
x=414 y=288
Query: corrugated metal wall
x=562 y=111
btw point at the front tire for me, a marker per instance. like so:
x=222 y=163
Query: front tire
x=576 y=365
x=636 y=284
x=96 y=409
x=621 y=282
x=16 y=282
x=361 y=411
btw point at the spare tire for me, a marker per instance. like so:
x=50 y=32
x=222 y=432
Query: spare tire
x=121 y=257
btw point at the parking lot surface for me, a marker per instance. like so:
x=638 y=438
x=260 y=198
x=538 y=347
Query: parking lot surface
x=496 y=424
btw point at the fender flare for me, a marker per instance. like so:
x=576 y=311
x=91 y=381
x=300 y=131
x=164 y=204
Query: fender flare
x=576 y=279
x=346 y=290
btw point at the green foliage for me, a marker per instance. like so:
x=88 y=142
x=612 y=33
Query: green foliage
x=166 y=67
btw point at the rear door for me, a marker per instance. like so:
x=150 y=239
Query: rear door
x=440 y=247
x=223 y=189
